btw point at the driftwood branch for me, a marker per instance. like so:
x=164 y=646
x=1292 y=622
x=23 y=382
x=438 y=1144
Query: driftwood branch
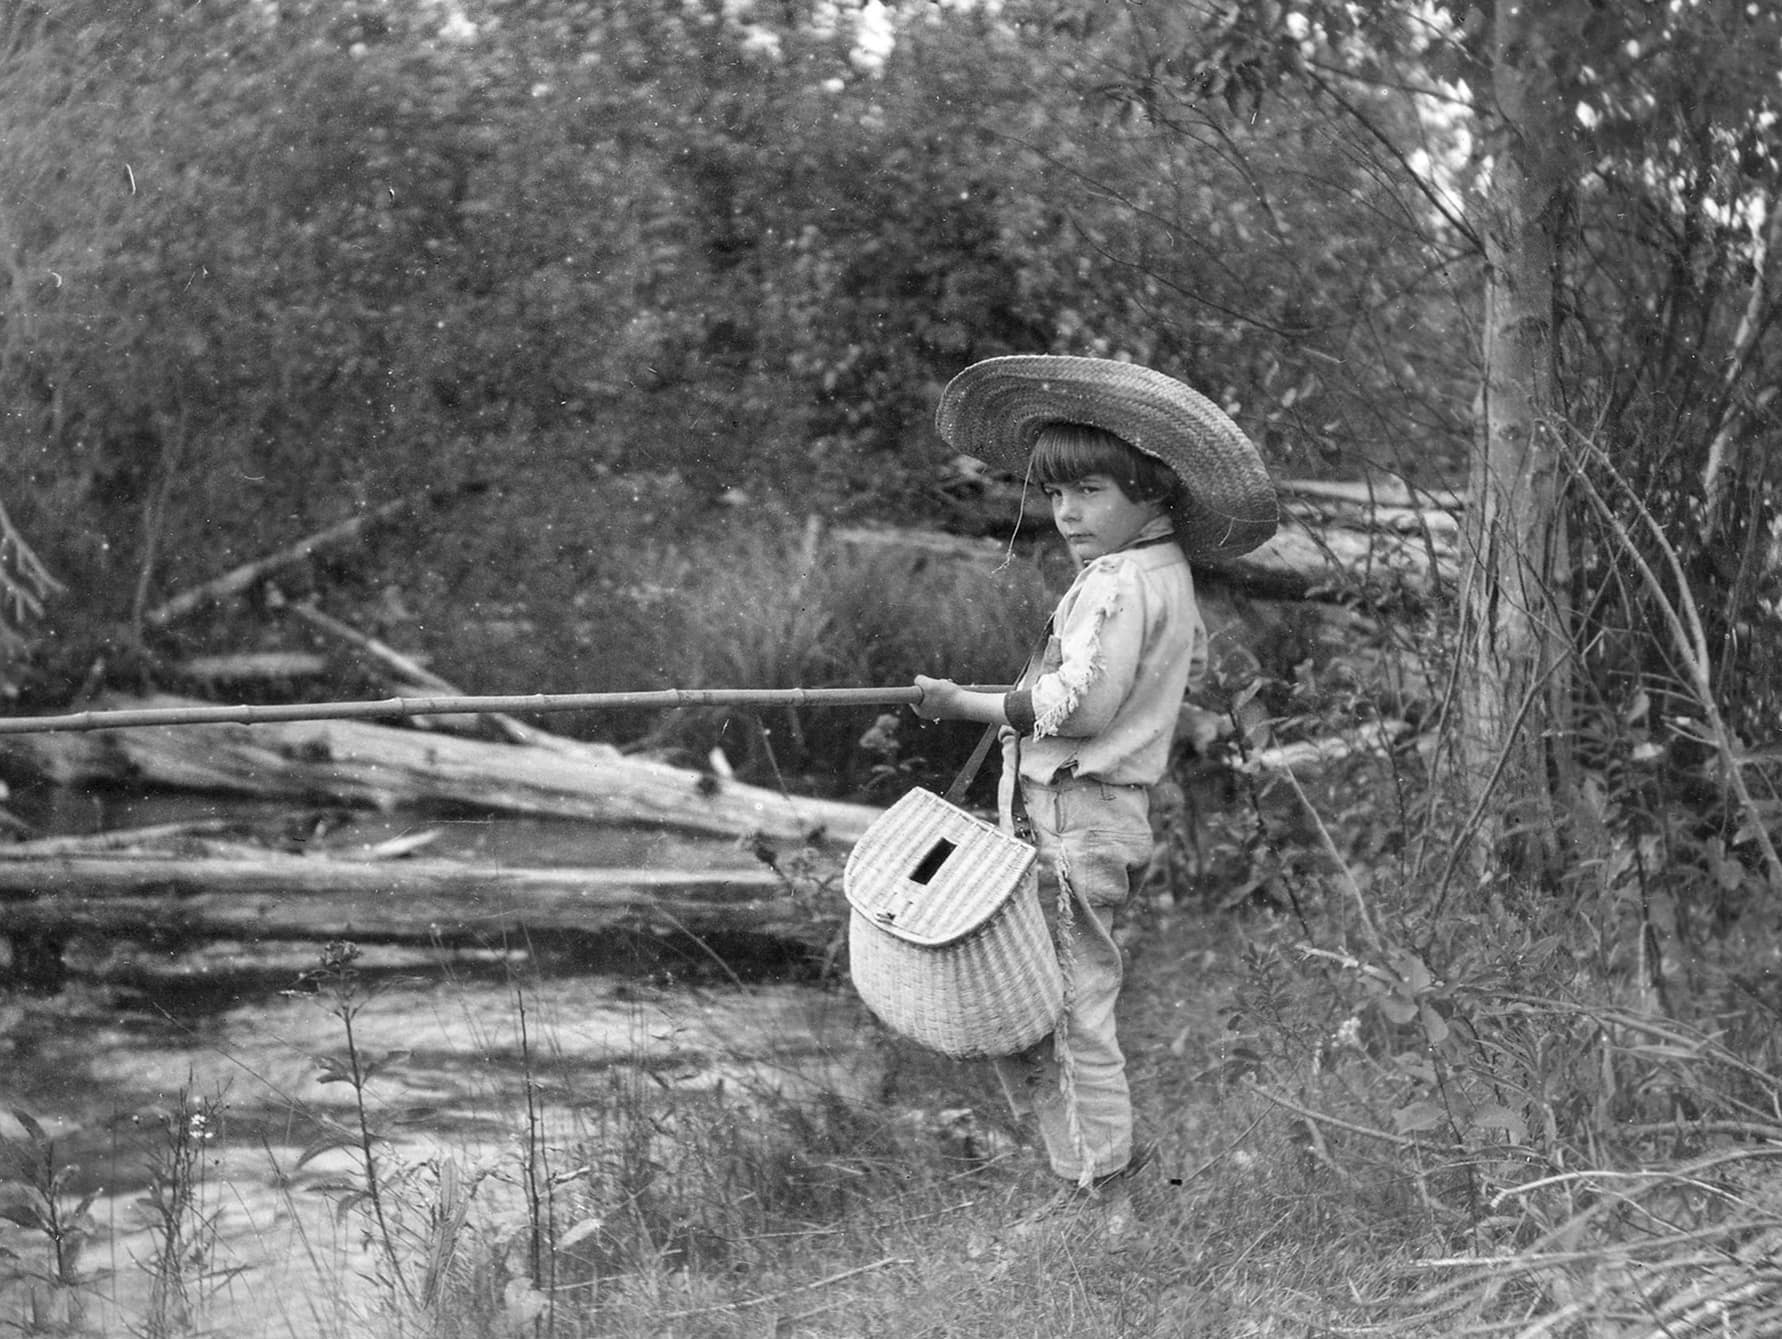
x=411 y=670
x=115 y=840
x=200 y=837
x=245 y=577
x=24 y=581
x=245 y=666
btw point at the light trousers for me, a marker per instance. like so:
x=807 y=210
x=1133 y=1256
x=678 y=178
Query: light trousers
x=1093 y=839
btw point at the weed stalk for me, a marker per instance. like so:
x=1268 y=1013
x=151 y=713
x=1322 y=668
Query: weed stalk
x=182 y=1226
x=340 y=981
x=36 y=1194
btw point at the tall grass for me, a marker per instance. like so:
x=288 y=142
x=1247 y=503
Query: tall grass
x=764 y=611
x=767 y=605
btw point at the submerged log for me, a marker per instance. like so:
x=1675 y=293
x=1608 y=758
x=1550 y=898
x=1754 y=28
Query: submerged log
x=382 y=767
x=285 y=897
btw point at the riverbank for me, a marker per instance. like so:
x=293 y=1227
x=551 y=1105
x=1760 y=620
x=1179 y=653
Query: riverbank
x=567 y=1155
x=232 y=1102
x=686 y=1146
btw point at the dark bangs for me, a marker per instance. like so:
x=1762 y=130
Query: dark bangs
x=1066 y=452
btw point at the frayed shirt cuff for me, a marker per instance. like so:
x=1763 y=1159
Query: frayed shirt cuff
x=1017 y=706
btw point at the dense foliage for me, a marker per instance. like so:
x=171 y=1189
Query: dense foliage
x=272 y=266
x=1623 y=209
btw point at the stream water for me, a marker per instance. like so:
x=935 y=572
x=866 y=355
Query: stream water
x=213 y=1053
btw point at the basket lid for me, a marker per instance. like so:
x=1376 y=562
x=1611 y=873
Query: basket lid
x=930 y=873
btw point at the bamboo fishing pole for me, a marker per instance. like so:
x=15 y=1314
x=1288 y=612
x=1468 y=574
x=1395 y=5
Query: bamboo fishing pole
x=395 y=707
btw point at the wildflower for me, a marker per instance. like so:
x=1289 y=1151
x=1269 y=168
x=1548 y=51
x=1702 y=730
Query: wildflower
x=202 y=1124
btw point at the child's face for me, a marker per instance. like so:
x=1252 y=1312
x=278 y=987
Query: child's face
x=1096 y=517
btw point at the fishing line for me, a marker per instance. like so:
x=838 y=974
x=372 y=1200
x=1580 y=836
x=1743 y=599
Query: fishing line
x=1008 y=556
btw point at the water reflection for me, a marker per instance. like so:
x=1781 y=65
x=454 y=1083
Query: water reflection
x=483 y=1051
x=481 y=1044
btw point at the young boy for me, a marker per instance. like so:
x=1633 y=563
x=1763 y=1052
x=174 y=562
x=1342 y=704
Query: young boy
x=1143 y=473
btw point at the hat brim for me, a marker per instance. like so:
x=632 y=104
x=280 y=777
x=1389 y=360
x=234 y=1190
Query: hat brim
x=995 y=409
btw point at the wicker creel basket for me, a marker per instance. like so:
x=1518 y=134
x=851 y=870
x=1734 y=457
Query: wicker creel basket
x=947 y=943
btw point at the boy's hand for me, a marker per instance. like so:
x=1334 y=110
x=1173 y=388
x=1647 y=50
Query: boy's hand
x=944 y=700
x=940 y=699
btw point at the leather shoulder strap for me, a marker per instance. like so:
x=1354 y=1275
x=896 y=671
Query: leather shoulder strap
x=956 y=792
x=968 y=773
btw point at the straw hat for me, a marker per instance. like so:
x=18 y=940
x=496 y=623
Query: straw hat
x=995 y=409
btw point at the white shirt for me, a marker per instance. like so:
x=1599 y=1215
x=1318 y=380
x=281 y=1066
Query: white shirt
x=1127 y=642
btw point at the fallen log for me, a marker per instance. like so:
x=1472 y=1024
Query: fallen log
x=1306 y=559
x=381 y=767
x=285 y=897
x=1378 y=738
x=1379 y=496
x=1336 y=539
x=933 y=542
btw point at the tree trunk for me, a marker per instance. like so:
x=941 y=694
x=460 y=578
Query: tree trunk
x=1516 y=619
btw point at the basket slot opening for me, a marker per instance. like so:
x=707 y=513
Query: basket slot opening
x=930 y=865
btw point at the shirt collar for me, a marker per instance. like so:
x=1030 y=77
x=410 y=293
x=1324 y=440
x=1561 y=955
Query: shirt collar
x=1155 y=531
